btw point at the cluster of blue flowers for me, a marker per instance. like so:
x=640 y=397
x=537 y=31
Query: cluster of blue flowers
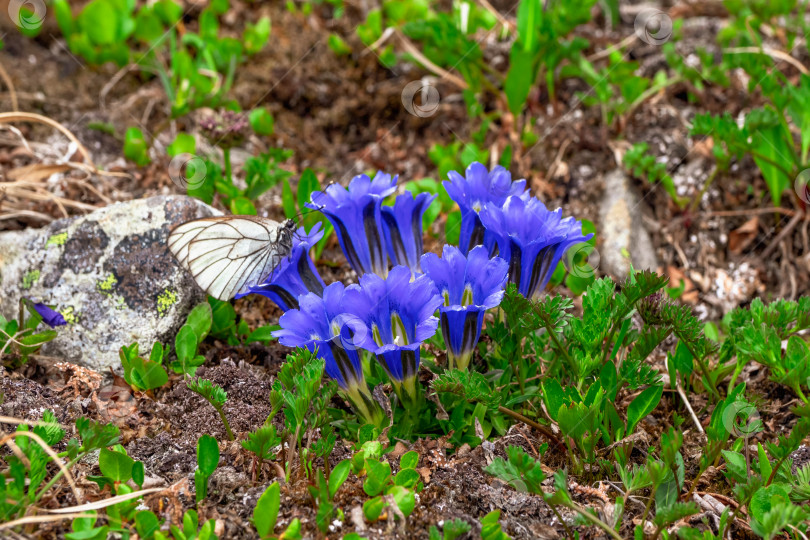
x=506 y=235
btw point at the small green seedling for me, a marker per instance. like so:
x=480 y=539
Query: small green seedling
x=261 y=442
x=207 y=461
x=383 y=488
x=265 y=516
x=324 y=493
x=142 y=373
x=188 y=340
x=215 y=395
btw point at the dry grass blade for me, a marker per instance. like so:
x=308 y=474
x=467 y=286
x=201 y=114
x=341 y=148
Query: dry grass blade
x=49 y=451
x=16 y=421
x=12 y=93
x=43 y=519
x=8 y=117
x=106 y=502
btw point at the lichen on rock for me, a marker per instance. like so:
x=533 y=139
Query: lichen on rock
x=108 y=273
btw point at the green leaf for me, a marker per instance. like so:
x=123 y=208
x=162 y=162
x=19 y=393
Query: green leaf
x=135 y=147
x=553 y=396
x=116 y=466
x=138 y=474
x=207 y=454
x=146 y=523
x=287 y=199
x=372 y=508
x=378 y=474
x=338 y=45
x=261 y=121
x=242 y=206
x=100 y=22
x=403 y=498
x=766 y=498
x=521 y=76
x=407 y=478
x=183 y=144
x=643 y=405
x=185 y=343
x=306 y=185
x=339 y=475
x=256 y=36
x=266 y=511
x=409 y=460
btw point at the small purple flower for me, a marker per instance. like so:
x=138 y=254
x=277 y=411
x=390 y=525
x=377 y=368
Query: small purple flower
x=533 y=240
x=356 y=215
x=473 y=192
x=295 y=275
x=320 y=323
x=49 y=316
x=469 y=286
x=399 y=315
x=402 y=224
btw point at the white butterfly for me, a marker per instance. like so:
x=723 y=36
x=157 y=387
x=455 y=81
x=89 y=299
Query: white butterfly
x=227 y=254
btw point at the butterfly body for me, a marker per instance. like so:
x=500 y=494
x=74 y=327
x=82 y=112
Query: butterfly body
x=227 y=254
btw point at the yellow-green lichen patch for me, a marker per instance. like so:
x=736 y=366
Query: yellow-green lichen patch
x=29 y=279
x=71 y=316
x=106 y=285
x=58 y=239
x=165 y=300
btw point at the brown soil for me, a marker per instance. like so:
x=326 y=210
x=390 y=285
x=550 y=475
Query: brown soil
x=343 y=116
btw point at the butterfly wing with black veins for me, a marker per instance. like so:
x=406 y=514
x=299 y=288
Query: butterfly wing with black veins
x=227 y=254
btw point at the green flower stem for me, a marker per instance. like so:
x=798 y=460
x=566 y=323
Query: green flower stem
x=55 y=478
x=225 y=422
x=595 y=520
x=226 y=156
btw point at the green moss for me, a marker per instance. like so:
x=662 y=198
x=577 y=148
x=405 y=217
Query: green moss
x=29 y=279
x=70 y=315
x=58 y=239
x=106 y=286
x=166 y=300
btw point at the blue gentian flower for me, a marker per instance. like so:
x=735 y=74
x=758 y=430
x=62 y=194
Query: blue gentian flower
x=399 y=315
x=49 y=316
x=295 y=275
x=402 y=224
x=356 y=215
x=321 y=323
x=475 y=190
x=469 y=286
x=532 y=239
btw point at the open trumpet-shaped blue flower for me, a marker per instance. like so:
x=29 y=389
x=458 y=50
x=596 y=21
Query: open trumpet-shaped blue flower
x=320 y=323
x=356 y=215
x=295 y=275
x=402 y=224
x=399 y=315
x=469 y=286
x=532 y=239
x=472 y=192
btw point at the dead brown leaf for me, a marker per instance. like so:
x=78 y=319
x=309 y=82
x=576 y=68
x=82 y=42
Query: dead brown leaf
x=741 y=237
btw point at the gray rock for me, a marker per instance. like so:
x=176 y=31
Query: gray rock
x=623 y=239
x=109 y=273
